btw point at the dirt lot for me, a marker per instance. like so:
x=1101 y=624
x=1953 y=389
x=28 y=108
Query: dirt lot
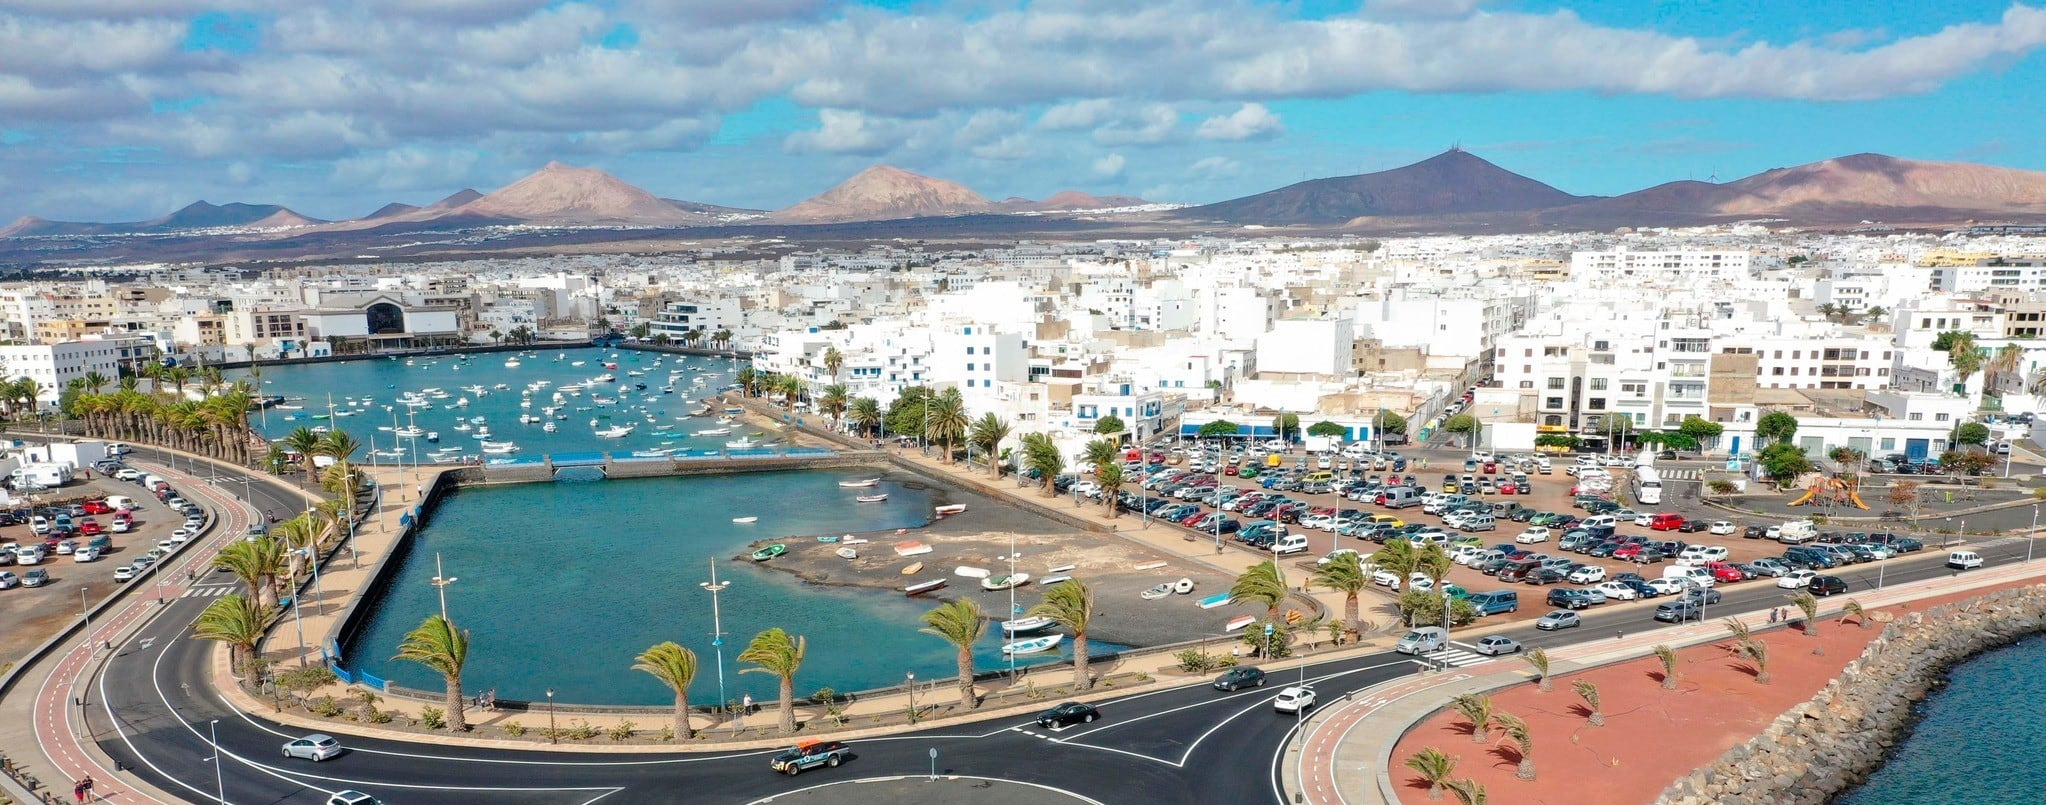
x=33 y=615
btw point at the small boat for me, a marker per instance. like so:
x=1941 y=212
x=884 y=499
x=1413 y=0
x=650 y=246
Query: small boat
x=859 y=484
x=1216 y=600
x=1239 y=622
x=1026 y=625
x=616 y=431
x=770 y=552
x=911 y=548
x=913 y=569
x=745 y=519
x=1035 y=645
x=952 y=508
x=1048 y=581
x=969 y=571
x=742 y=443
x=715 y=432
x=1151 y=565
x=433 y=436
x=1157 y=592
x=1062 y=568
x=827 y=538
x=550 y=427
x=871 y=498
x=1183 y=586
x=994 y=583
x=848 y=553
x=922 y=587
x=851 y=540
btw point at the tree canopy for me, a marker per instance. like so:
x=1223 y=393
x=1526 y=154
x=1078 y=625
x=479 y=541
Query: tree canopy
x=1776 y=426
x=1219 y=427
x=1972 y=433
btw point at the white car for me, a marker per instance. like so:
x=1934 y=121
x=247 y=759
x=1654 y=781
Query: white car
x=8 y=580
x=1617 y=591
x=313 y=747
x=69 y=546
x=1722 y=528
x=1643 y=518
x=29 y=555
x=1420 y=581
x=1667 y=586
x=124 y=573
x=1463 y=554
x=1386 y=578
x=1588 y=574
x=182 y=534
x=1319 y=522
x=1294 y=699
x=1796 y=579
x=1331 y=557
x=1536 y=534
x=1702 y=555
x=123 y=526
x=85 y=554
x=1880 y=550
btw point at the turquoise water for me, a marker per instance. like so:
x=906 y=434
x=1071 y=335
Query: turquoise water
x=365 y=394
x=1978 y=742
x=562 y=584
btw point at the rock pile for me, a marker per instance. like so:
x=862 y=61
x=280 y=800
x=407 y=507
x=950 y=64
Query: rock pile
x=1822 y=747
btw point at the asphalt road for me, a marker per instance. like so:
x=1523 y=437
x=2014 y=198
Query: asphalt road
x=152 y=710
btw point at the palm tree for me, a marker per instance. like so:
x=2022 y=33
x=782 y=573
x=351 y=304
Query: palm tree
x=2004 y=364
x=1345 y=574
x=1071 y=604
x=1809 y=606
x=1111 y=478
x=1098 y=452
x=306 y=444
x=1589 y=693
x=987 y=433
x=1041 y=455
x=236 y=620
x=961 y=624
x=337 y=445
x=1516 y=731
x=777 y=652
x=94 y=382
x=1263 y=584
x=1398 y=557
x=1738 y=629
x=438 y=645
x=1829 y=310
x=675 y=666
x=1538 y=659
x=257 y=564
x=748 y=379
x=1757 y=652
x=1469 y=792
x=1435 y=768
x=947 y=420
x=1964 y=356
x=1876 y=313
x=1853 y=607
x=1435 y=563
x=1477 y=709
x=866 y=413
x=1668 y=657
x=832 y=401
x=298 y=536
x=833 y=361
x=723 y=338
x=790 y=388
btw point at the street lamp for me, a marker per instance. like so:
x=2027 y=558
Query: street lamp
x=717 y=628
x=909 y=684
x=87 y=612
x=2034 y=536
x=219 y=779
x=440 y=581
x=552 y=736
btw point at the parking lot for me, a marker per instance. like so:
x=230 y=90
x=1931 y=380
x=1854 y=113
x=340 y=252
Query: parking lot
x=1303 y=522
x=33 y=614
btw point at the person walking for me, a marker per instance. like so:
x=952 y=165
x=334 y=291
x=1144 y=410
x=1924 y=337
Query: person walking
x=78 y=790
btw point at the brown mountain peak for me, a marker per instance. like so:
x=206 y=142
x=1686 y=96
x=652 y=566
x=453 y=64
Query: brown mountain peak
x=564 y=194
x=885 y=192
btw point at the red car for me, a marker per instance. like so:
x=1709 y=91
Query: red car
x=97 y=507
x=1229 y=470
x=1509 y=488
x=88 y=527
x=1627 y=551
x=1722 y=571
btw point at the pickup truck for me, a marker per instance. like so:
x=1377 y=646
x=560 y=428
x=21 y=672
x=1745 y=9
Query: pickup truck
x=810 y=753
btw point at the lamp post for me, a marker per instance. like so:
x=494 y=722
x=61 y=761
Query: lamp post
x=2034 y=536
x=552 y=736
x=440 y=581
x=219 y=778
x=1012 y=599
x=85 y=611
x=909 y=684
x=717 y=627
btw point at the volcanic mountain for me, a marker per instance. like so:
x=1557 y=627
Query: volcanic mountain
x=1451 y=183
x=197 y=215
x=1835 y=191
x=1067 y=200
x=560 y=194
x=883 y=193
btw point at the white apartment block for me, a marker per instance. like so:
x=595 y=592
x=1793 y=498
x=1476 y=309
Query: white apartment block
x=1659 y=267
x=53 y=366
x=1307 y=346
x=975 y=358
x=1840 y=362
x=705 y=315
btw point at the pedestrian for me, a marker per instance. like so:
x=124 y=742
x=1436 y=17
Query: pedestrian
x=746 y=704
x=88 y=784
x=1772 y=614
x=78 y=790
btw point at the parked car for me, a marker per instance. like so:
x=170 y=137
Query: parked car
x=1239 y=678
x=1796 y=580
x=1618 y=591
x=1822 y=586
x=8 y=580
x=1532 y=536
x=808 y=754
x=1068 y=713
x=125 y=573
x=1588 y=574
x=1559 y=619
x=1567 y=598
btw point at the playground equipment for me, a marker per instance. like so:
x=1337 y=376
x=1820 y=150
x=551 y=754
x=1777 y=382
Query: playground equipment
x=1832 y=491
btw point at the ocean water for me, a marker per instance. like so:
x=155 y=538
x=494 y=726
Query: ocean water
x=1978 y=743
x=364 y=392
x=562 y=584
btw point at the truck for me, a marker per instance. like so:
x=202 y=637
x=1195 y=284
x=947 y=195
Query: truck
x=43 y=475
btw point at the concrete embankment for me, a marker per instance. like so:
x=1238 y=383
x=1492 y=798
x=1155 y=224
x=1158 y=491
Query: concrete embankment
x=1820 y=748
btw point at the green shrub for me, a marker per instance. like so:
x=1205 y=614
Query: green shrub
x=324 y=707
x=1194 y=660
x=621 y=732
x=582 y=731
x=1720 y=486
x=514 y=729
x=432 y=717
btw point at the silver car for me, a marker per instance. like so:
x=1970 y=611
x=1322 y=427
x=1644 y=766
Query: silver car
x=1495 y=645
x=313 y=747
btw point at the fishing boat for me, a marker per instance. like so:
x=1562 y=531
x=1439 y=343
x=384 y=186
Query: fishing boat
x=851 y=540
x=1183 y=586
x=1157 y=592
x=1048 y=581
x=913 y=569
x=433 y=436
x=1213 y=601
x=715 y=432
x=499 y=448
x=871 y=498
x=1033 y=623
x=1151 y=565
x=511 y=363
x=742 y=443
x=1035 y=645
x=1063 y=568
x=1239 y=622
x=951 y=508
x=847 y=553
x=770 y=552
x=995 y=583
x=859 y=484
x=970 y=572
x=911 y=548
x=922 y=587
x=745 y=519
x=616 y=431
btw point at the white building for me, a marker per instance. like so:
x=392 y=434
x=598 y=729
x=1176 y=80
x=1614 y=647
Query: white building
x=1307 y=346
x=53 y=366
x=1625 y=266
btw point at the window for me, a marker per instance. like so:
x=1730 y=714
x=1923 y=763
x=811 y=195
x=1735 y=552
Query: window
x=1555 y=383
x=1598 y=384
x=1527 y=384
x=969 y=367
x=1597 y=404
x=1941 y=417
x=1553 y=402
x=1916 y=416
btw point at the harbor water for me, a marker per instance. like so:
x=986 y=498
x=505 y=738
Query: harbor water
x=1977 y=742
x=562 y=584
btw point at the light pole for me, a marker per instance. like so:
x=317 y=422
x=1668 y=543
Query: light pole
x=909 y=684
x=219 y=778
x=440 y=581
x=2034 y=536
x=87 y=612
x=717 y=627
x=1012 y=600
x=552 y=736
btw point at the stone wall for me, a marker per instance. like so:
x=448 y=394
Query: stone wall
x=1820 y=748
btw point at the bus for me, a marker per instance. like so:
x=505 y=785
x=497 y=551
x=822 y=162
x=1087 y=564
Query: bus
x=1647 y=486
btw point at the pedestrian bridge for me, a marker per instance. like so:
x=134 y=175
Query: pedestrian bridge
x=589 y=467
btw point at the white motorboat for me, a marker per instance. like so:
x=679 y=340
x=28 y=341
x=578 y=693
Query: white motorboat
x=995 y=583
x=550 y=427
x=499 y=448
x=1034 y=623
x=511 y=363
x=859 y=484
x=745 y=519
x=742 y=443
x=1157 y=592
x=1183 y=586
x=848 y=553
x=1035 y=645
x=715 y=432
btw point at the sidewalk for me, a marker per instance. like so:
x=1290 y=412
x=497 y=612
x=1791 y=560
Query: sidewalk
x=1344 y=765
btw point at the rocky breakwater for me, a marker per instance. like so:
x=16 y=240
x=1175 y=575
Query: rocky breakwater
x=1820 y=748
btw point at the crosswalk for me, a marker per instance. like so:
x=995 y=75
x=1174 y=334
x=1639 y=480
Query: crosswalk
x=1675 y=474
x=1457 y=655
x=209 y=592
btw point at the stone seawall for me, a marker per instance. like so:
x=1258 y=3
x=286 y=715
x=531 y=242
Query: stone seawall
x=1821 y=748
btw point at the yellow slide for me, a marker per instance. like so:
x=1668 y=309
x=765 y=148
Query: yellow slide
x=1856 y=497
x=1808 y=494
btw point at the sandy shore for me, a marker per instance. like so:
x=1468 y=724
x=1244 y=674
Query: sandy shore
x=981 y=538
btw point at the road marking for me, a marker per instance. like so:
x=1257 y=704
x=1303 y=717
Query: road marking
x=778 y=795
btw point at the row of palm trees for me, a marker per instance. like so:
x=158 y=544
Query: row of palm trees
x=216 y=426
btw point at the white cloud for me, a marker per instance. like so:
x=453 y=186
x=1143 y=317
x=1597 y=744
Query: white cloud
x=1251 y=121
x=1213 y=167
x=1077 y=115
x=1110 y=166
x=408 y=168
x=1421 y=8
x=1148 y=126
x=842 y=131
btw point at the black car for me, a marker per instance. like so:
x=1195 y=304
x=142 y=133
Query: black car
x=1692 y=526
x=1603 y=550
x=1823 y=586
x=1542 y=576
x=1240 y=678
x=1641 y=588
x=1068 y=713
x=1755 y=532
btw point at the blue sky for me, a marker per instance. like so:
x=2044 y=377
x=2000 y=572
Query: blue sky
x=118 y=109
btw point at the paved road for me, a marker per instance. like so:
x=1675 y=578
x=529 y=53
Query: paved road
x=154 y=713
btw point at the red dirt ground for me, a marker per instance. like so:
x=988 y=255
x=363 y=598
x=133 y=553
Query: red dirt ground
x=1651 y=736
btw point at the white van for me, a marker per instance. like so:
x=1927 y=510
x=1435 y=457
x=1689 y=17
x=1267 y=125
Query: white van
x=1274 y=444
x=1964 y=560
x=1291 y=543
x=1600 y=521
x=120 y=502
x=1422 y=640
x=1796 y=531
x=1695 y=575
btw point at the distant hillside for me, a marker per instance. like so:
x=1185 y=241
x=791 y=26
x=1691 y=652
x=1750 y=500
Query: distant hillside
x=883 y=193
x=564 y=195
x=197 y=215
x=1452 y=183
x=1844 y=190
